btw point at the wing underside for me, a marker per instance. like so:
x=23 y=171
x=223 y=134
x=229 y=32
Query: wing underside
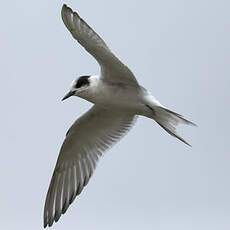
x=88 y=138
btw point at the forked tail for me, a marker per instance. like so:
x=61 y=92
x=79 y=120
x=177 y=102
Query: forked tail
x=168 y=120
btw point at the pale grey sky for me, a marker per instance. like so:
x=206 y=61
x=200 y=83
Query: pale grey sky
x=177 y=49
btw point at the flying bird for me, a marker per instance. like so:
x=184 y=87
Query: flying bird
x=118 y=100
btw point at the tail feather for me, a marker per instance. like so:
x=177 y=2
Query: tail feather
x=168 y=120
x=185 y=121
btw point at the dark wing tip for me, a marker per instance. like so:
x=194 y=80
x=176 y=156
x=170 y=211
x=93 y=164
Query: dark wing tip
x=67 y=15
x=48 y=223
x=64 y=7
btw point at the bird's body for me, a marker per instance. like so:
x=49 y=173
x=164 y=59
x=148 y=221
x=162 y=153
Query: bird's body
x=118 y=99
x=117 y=96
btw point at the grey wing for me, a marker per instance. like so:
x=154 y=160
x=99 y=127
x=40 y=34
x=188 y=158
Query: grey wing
x=90 y=136
x=112 y=68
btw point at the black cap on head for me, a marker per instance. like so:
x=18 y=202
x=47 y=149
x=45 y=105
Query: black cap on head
x=83 y=80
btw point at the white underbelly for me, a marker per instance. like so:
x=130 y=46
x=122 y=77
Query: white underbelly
x=125 y=98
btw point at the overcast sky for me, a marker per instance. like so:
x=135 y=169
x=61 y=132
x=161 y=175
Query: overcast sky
x=180 y=51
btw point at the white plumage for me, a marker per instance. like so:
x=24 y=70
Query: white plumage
x=118 y=99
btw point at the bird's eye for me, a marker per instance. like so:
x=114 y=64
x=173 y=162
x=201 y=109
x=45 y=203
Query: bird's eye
x=82 y=81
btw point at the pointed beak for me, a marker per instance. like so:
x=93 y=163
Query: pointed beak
x=69 y=94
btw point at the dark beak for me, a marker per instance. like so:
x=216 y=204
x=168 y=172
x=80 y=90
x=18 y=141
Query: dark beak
x=69 y=94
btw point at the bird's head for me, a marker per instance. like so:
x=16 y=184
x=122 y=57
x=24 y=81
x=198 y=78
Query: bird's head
x=82 y=87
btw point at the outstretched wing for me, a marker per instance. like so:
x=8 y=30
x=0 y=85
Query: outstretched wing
x=112 y=68
x=90 y=136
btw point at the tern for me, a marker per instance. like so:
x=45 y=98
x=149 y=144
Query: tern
x=118 y=100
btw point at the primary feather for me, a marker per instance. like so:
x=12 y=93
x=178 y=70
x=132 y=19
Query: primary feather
x=88 y=138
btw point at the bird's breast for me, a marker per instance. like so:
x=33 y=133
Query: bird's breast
x=117 y=95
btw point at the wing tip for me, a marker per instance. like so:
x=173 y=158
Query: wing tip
x=64 y=7
x=48 y=223
x=67 y=15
